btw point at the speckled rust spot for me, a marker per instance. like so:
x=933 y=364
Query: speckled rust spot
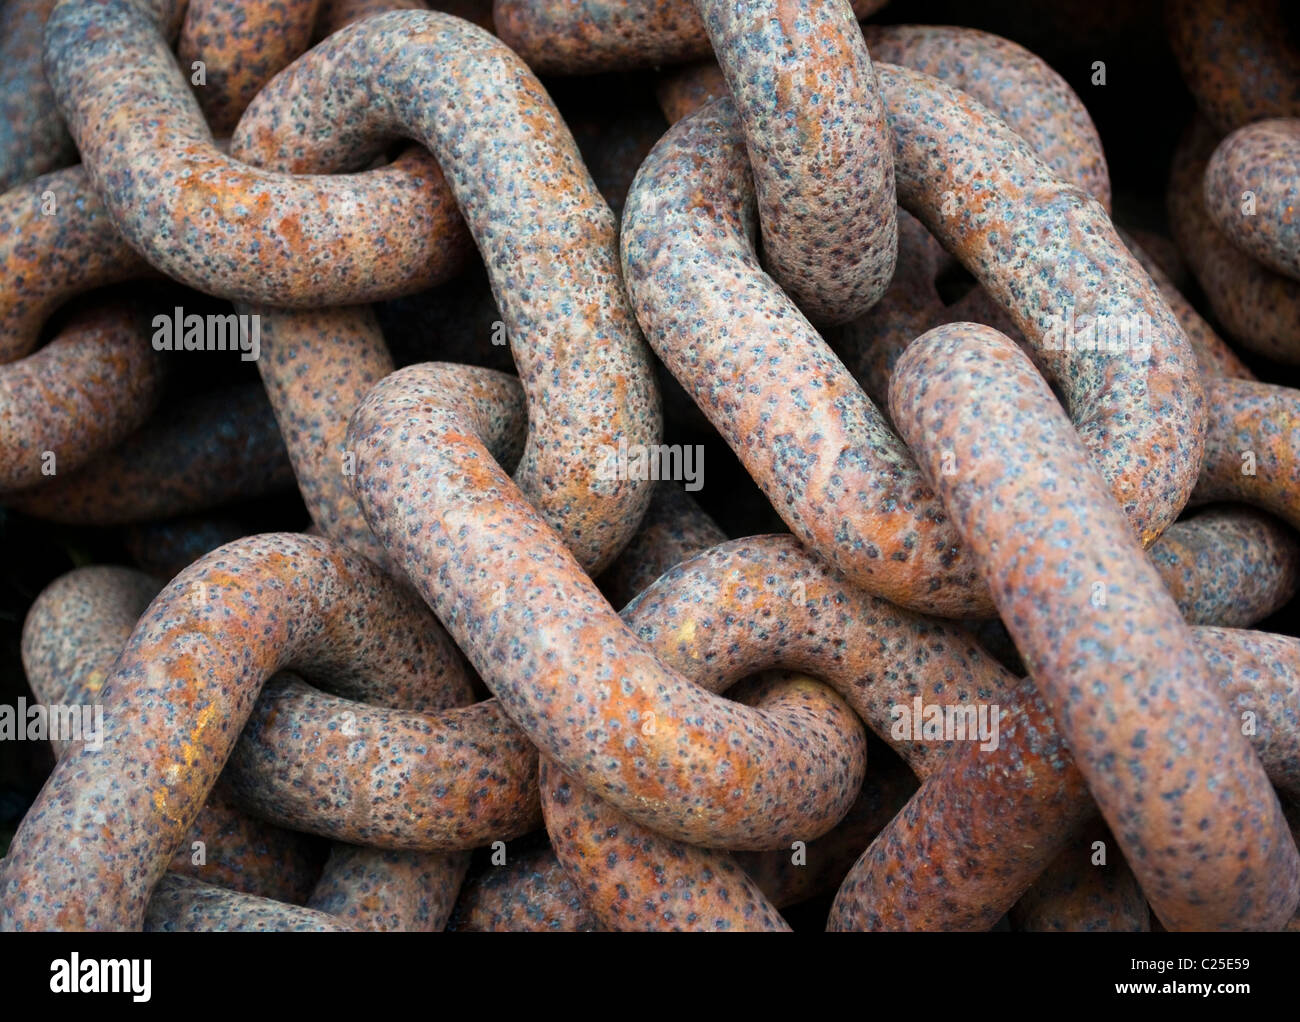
x=674 y=528
x=1213 y=354
x=1021 y=88
x=943 y=863
x=1229 y=566
x=493 y=573
x=635 y=879
x=317 y=366
x=184 y=905
x=530 y=893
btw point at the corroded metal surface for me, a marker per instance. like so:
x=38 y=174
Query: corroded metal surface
x=184 y=905
x=241 y=44
x=547 y=237
x=1021 y=470
x=370 y=890
x=81 y=394
x=33 y=139
x=1237 y=57
x=1258 y=308
x=1229 y=566
x=45 y=259
x=1252 y=447
x=316 y=366
x=635 y=879
x=1213 y=354
x=1031 y=98
x=968 y=391
x=215 y=449
x=1088 y=887
x=599 y=35
x=170 y=723
x=530 y=893
x=72 y=637
x=673 y=529
x=382 y=777
x=1252 y=188
x=943 y=862
x=490 y=567
x=195 y=213
x=819 y=148
x=822 y=452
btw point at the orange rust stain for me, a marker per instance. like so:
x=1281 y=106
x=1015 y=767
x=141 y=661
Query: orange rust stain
x=291 y=230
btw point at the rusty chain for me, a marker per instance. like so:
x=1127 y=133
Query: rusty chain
x=1014 y=485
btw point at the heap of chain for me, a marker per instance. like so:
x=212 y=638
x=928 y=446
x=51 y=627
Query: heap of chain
x=493 y=635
